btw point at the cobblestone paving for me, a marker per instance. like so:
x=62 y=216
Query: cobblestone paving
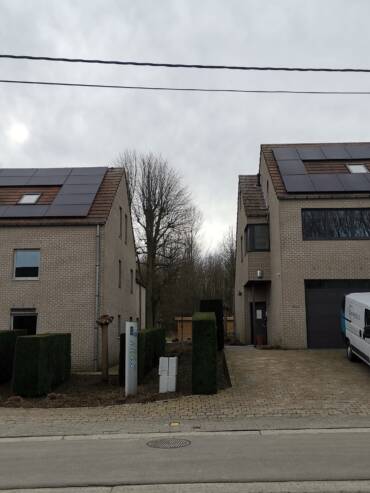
x=265 y=383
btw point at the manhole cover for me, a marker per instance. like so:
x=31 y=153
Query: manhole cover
x=169 y=443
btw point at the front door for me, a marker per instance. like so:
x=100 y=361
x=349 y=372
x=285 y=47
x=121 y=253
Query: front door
x=259 y=323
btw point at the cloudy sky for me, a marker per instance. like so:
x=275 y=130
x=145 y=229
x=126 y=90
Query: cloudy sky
x=208 y=138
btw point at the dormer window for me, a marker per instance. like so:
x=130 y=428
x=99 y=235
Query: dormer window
x=357 y=168
x=29 y=198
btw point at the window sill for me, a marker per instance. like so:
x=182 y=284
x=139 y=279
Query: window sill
x=26 y=278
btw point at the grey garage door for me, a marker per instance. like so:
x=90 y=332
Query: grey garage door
x=323 y=308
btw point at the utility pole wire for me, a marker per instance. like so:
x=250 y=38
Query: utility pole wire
x=181 y=89
x=181 y=65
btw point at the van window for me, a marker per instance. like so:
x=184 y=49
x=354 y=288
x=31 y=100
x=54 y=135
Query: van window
x=367 y=317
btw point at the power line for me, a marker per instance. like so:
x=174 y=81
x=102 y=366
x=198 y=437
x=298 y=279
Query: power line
x=182 y=65
x=181 y=89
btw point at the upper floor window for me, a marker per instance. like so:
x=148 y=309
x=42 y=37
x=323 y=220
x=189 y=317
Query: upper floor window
x=120 y=223
x=131 y=281
x=258 y=237
x=29 y=198
x=26 y=264
x=357 y=168
x=119 y=274
x=336 y=224
x=126 y=228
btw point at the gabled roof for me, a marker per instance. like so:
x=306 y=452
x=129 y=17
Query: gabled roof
x=70 y=199
x=317 y=169
x=251 y=195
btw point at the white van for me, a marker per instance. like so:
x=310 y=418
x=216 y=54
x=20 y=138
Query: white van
x=357 y=326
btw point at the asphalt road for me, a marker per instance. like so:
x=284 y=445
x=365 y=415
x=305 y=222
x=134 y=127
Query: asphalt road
x=211 y=457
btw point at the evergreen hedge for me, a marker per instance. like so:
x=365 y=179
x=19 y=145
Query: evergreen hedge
x=151 y=346
x=215 y=306
x=7 y=347
x=41 y=362
x=204 y=357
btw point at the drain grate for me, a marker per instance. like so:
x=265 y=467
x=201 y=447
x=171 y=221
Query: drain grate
x=169 y=443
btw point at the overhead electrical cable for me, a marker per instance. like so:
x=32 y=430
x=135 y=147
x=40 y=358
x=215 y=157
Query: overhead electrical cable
x=182 y=89
x=182 y=65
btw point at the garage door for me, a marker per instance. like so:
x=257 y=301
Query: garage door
x=323 y=307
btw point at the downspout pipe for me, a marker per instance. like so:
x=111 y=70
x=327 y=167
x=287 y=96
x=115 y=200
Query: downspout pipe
x=97 y=296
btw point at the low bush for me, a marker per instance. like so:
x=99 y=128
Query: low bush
x=41 y=362
x=204 y=358
x=7 y=347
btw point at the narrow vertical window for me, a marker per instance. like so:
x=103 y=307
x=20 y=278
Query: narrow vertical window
x=131 y=281
x=119 y=274
x=119 y=325
x=241 y=248
x=126 y=225
x=120 y=222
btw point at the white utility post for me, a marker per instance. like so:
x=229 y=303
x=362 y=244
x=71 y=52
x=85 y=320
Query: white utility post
x=131 y=358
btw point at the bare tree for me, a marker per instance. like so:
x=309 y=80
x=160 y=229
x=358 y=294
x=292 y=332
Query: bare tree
x=163 y=219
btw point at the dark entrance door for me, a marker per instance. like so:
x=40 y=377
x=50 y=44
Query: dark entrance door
x=323 y=309
x=258 y=323
x=26 y=322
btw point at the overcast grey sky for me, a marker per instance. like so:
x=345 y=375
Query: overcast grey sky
x=208 y=138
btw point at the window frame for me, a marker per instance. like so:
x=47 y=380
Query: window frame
x=327 y=237
x=126 y=228
x=119 y=274
x=250 y=238
x=28 y=278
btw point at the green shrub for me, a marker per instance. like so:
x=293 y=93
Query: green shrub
x=204 y=357
x=7 y=347
x=151 y=346
x=215 y=306
x=41 y=362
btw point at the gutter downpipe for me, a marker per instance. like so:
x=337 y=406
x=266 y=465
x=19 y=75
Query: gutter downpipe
x=97 y=296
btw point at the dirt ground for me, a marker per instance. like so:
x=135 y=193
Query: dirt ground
x=90 y=391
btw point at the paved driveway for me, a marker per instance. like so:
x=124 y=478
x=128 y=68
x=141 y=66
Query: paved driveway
x=266 y=383
x=302 y=382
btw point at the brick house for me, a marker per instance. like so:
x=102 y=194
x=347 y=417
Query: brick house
x=303 y=242
x=67 y=255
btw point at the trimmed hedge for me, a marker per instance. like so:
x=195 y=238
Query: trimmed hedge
x=204 y=358
x=41 y=362
x=151 y=346
x=7 y=347
x=215 y=306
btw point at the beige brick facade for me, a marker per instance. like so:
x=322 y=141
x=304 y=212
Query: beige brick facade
x=290 y=262
x=65 y=296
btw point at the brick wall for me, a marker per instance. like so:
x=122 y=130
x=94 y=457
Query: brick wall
x=64 y=295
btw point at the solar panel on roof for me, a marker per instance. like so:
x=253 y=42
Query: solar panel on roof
x=282 y=153
x=310 y=153
x=25 y=211
x=326 y=182
x=68 y=210
x=3 y=208
x=291 y=167
x=358 y=151
x=298 y=183
x=91 y=188
x=47 y=180
x=354 y=182
x=12 y=181
x=335 y=151
x=17 y=172
x=74 y=198
x=53 y=171
x=83 y=180
x=92 y=170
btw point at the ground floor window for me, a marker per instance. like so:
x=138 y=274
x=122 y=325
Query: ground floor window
x=24 y=319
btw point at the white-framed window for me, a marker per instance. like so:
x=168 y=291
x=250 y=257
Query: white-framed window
x=29 y=198
x=26 y=264
x=357 y=168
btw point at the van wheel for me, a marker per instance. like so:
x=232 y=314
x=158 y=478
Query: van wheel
x=350 y=354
